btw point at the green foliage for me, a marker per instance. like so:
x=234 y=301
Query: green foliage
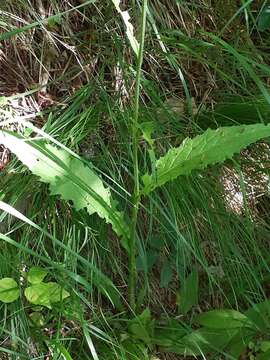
x=37 y=319
x=148 y=261
x=134 y=350
x=166 y=274
x=95 y=102
x=9 y=290
x=188 y=296
x=221 y=330
x=147 y=129
x=265 y=346
x=142 y=327
x=223 y=319
x=259 y=314
x=36 y=275
x=60 y=350
x=202 y=341
x=38 y=293
x=53 y=22
x=129 y=27
x=67 y=177
x=264 y=356
x=170 y=334
x=264 y=19
x=212 y=147
x=45 y=294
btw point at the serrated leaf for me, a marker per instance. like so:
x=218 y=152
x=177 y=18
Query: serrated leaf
x=9 y=290
x=129 y=27
x=212 y=147
x=45 y=294
x=68 y=177
x=223 y=319
x=36 y=275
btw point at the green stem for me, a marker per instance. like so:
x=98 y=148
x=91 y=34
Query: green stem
x=136 y=190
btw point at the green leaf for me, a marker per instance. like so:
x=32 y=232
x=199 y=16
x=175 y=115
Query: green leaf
x=147 y=128
x=97 y=277
x=69 y=178
x=65 y=355
x=53 y=21
x=147 y=261
x=37 y=318
x=45 y=294
x=202 y=341
x=142 y=327
x=3 y=100
x=166 y=274
x=259 y=314
x=240 y=341
x=158 y=242
x=133 y=350
x=9 y=290
x=188 y=295
x=265 y=346
x=264 y=19
x=129 y=27
x=212 y=147
x=223 y=319
x=263 y=356
x=170 y=334
x=36 y=275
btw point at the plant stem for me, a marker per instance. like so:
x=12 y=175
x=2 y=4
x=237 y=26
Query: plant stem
x=136 y=190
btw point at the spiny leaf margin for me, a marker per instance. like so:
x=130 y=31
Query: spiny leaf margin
x=68 y=177
x=129 y=27
x=212 y=147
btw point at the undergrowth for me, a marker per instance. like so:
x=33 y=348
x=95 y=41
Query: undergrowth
x=134 y=166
